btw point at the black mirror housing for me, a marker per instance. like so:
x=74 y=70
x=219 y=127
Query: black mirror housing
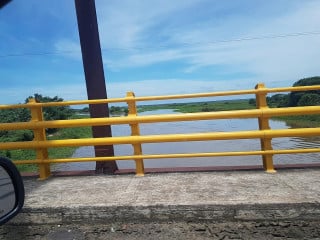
x=11 y=190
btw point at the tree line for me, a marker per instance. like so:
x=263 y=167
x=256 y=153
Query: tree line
x=49 y=113
x=293 y=99
x=24 y=115
x=113 y=110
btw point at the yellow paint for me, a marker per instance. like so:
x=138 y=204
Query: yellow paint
x=135 y=131
x=261 y=102
x=175 y=155
x=132 y=119
x=39 y=135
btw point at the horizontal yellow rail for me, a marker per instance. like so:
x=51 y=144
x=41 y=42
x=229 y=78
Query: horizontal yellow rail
x=169 y=97
x=164 y=138
x=253 y=113
x=175 y=155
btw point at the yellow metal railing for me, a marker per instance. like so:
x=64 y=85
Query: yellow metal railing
x=262 y=113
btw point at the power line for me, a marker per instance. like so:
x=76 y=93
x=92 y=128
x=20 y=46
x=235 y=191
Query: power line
x=266 y=37
x=186 y=44
x=299 y=34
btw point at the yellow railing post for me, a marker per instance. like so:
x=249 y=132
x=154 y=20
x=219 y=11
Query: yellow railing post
x=39 y=135
x=261 y=102
x=135 y=131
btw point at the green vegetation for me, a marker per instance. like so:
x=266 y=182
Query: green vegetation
x=63 y=152
x=224 y=105
x=50 y=113
x=53 y=113
x=304 y=98
x=113 y=110
x=68 y=133
x=118 y=110
x=293 y=99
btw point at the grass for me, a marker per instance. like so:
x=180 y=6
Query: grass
x=224 y=105
x=302 y=121
x=62 y=152
x=68 y=133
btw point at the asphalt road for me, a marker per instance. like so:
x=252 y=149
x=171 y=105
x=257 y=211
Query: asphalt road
x=168 y=230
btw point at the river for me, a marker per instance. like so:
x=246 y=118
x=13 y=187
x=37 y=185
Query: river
x=223 y=125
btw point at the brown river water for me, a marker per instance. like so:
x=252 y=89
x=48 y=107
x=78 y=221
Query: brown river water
x=223 y=125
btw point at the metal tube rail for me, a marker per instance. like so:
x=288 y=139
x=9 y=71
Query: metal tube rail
x=253 y=113
x=229 y=93
x=169 y=97
x=163 y=138
x=174 y=155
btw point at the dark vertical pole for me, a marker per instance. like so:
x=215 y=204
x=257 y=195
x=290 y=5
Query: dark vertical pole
x=93 y=69
x=4 y=2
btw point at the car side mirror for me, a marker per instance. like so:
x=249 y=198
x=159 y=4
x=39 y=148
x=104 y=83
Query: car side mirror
x=11 y=190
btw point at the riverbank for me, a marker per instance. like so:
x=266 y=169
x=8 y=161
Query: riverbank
x=301 y=121
x=209 y=106
x=63 y=152
x=228 y=105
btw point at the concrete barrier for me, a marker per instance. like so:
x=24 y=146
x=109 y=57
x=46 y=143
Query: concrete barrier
x=209 y=196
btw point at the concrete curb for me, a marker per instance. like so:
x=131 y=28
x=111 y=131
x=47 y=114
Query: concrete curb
x=162 y=213
x=234 y=196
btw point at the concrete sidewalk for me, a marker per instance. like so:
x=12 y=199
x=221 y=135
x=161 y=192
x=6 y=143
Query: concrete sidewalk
x=219 y=196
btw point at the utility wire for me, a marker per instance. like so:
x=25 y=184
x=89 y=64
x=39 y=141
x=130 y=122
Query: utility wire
x=299 y=34
x=289 y=35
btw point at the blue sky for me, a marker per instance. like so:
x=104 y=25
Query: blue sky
x=156 y=47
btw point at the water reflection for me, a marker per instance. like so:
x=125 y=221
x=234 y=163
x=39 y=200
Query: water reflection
x=225 y=125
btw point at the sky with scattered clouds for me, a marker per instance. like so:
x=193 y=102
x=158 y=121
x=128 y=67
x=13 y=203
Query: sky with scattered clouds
x=157 y=47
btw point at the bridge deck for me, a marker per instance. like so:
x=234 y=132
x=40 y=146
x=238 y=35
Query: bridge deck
x=230 y=195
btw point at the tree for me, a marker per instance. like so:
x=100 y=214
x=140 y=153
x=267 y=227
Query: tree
x=15 y=115
x=84 y=110
x=309 y=99
x=252 y=101
x=53 y=113
x=294 y=97
x=278 y=100
x=24 y=115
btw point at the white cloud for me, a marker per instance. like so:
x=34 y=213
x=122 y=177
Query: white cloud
x=66 y=91
x=69 y=48
x=279 y=58
x=125 y=24
x=130 y=26
x=144 y=59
